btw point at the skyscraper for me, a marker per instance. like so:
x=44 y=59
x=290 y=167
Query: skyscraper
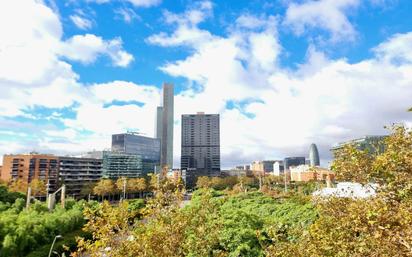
x=164 y=125
x=200 y=154
x=314 y=156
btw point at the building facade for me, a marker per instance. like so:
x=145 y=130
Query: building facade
x=133 y=144
x=55 y=171
x=200 y=151
x=77 y=173
x=314 y=156
x=373 y=144
x=164 y=125
x=293 y=162
x=27 y=167
x=262 y=166
x=278 y=168
x=119 y=164
x=305 y=173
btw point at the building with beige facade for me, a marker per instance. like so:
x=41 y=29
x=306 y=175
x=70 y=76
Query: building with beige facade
x=305 y=173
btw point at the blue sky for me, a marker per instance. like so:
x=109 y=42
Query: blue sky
x=282 y=74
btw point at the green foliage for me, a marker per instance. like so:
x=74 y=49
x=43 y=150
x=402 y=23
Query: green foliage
x=9 y=197
x=22 y=231
x=375 y=226
x=136 y=204
x=65 y=245
x=213 y=224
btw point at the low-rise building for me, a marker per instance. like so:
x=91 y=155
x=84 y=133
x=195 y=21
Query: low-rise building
x=235 y=172
x=348 y=190
x=278 y=168
x=77 y=173
x=27 y=167
x=305 y=173
x=373 y=144
x=55 y=171
x=121 y=164
x=262 y=166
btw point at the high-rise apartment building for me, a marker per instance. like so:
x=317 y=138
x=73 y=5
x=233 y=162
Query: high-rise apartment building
x=200 y=153
x=148 y=149
x=164 y=125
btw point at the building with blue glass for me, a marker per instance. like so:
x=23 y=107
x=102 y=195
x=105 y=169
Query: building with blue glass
x=314 y=156
x=147 y=148
x=119 y=164
x=293 y=162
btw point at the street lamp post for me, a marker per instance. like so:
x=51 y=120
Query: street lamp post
x=54 y=241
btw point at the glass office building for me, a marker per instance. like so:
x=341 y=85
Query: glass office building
x=147 y=148
x=293 y=162
x=372 y=144
x=118 y=164
x=314 y=156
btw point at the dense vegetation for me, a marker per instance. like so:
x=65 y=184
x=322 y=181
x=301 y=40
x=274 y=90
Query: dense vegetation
x=22 y=230
x=244 y=216
x=7 y=197
x=242 y=221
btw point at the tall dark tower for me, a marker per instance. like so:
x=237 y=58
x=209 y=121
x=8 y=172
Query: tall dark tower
x=314 y=156
x=164 y=126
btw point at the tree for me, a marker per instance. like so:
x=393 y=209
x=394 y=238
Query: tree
x=38 y=187
x=376 y=226
x=104 y=187
x=122 y=184
x=18 y=185
x=203 y=182
x=137 y=185
x=87 y=189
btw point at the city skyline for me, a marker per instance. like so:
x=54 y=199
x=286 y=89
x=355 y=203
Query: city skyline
x=281 y=75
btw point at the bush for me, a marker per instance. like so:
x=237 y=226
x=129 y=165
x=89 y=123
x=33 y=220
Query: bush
x=22 y=230
x=9 y=197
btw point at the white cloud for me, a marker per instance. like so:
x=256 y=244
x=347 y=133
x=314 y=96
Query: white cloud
x=87 y=48
x=279 y=112
x=127 y=14
x=276 y=112
x=31 y=69
x=187 y=32
x=397 y=49
x=145 y=3
x=137 y=3
x=329 y=15
x=81 y=22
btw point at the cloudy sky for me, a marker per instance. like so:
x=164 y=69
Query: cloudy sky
x=281 y=73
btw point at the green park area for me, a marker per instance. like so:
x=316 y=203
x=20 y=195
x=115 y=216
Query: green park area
x=232 y=216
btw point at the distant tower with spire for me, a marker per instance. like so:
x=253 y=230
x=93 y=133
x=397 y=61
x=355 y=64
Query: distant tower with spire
x=314 y=156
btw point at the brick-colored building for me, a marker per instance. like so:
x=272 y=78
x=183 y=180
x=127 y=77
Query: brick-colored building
x=304 y=173
x=75 y=173
x=27 y=167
